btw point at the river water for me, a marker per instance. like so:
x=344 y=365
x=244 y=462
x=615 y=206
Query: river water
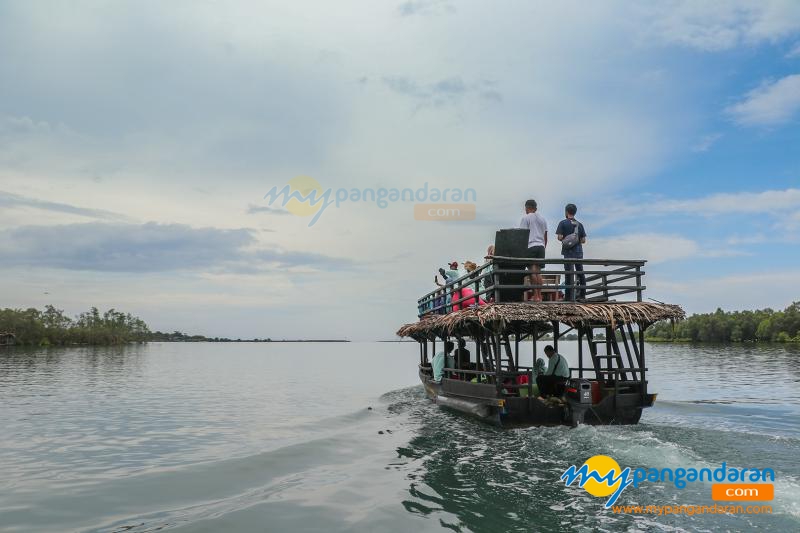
x=339 y=437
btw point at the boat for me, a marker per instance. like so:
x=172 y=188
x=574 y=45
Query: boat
x=495 y=316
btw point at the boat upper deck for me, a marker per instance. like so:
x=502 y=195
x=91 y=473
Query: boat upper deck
x=496 y=295
x=526 y=317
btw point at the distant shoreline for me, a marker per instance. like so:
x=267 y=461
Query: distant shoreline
x=265 y=341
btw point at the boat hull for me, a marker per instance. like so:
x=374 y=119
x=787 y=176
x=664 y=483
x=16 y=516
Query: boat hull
x=481 y=400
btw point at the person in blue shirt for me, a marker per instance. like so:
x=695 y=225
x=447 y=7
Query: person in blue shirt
x=566 y=227
x=439 y=360
x=556 y=374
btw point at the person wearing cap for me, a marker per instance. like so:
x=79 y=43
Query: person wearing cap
x=557 y=372
x=449 y=277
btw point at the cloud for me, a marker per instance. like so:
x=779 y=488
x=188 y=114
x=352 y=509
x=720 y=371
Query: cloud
x=740 y=291
x=770 y=201
x=425 y=7
x=716 y=26
x=655 y=247
x=706 y=142
x=794 y=51
x=770 y=104
x=773 y=202
x=148 y=247
x=256 y=209
x=444 y=91
x=11 y=200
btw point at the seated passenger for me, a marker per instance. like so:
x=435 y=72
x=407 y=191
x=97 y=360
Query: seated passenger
x=538 y=370
x=462 y=355
x=556 y=374
x=439 y=361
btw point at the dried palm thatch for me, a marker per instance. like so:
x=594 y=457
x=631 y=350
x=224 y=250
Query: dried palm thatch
x=520 y=316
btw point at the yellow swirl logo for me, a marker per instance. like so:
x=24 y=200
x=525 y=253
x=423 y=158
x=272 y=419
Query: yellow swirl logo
x=303 y=196
x=603 y=465
x=600 y=476
x=308 y=189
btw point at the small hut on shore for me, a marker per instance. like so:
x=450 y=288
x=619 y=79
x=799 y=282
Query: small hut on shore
x=7 y=339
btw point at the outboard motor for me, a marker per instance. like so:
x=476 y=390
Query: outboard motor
x=578 y=393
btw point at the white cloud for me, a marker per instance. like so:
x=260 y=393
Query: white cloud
x=773 y=203
x=744 y=240
x=655 y=247
x=715 y=26
x=770 y=104
x=706 y=142
x=736 y=292
x=794 y=51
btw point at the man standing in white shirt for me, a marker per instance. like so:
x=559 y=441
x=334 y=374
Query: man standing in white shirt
x=537 y=240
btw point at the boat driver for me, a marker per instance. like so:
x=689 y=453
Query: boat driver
x=551 y=382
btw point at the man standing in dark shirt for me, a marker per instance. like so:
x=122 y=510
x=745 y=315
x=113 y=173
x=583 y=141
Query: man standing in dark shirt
x=566 y=227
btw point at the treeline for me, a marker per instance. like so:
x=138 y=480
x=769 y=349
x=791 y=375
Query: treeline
x=738 y=326
x=32 y=327
x=177 y=336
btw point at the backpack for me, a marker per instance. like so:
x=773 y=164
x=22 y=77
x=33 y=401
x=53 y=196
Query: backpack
x=573 y=239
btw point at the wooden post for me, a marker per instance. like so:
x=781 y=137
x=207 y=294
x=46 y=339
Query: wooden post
x=496 y=284
x=580 y=351
x=642 y=328
x=555 y=335
x=638 y=285
x=497 y=365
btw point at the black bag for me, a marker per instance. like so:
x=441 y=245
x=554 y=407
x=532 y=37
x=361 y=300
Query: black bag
x=573 y=239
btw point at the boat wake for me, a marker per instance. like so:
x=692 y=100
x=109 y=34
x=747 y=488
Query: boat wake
x=406 y=458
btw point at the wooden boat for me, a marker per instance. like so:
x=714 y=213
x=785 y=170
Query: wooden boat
x=609 y=385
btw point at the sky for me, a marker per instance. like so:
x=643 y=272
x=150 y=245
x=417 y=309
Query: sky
x=138 y=141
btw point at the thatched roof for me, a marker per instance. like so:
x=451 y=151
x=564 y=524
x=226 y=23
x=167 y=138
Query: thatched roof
x=520 y=316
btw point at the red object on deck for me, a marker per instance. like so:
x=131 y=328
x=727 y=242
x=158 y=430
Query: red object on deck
x=464 y=293
x=597 y=393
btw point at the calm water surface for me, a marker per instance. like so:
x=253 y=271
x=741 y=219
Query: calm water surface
x=279 y=437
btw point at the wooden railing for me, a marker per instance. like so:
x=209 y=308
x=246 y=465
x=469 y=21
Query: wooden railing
x=505 y=279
